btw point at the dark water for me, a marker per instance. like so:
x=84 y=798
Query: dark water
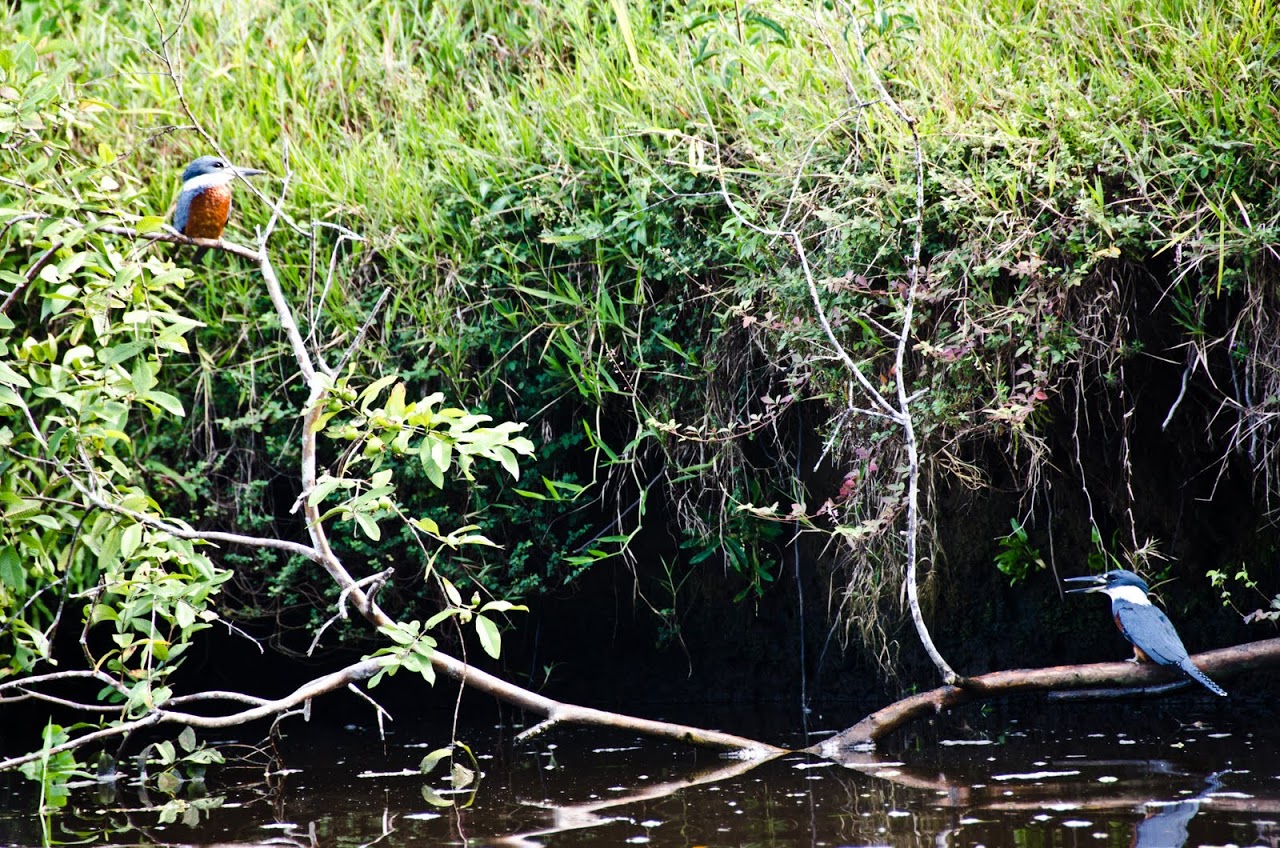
x=1155 y=774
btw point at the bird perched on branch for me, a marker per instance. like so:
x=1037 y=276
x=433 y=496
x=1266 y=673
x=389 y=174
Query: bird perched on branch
x=1143 y=624
x=204 y=205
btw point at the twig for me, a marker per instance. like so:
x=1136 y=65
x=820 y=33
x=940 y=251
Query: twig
x=1186 y=373
x=364 y=329
x=214 y=536
x=377 y=708
x=380 y=578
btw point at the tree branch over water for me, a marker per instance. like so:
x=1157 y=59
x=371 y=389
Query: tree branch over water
x=1224 y=661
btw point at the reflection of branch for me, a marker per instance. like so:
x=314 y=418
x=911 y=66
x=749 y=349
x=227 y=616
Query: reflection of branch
x=583 y=814
x=1225 y=661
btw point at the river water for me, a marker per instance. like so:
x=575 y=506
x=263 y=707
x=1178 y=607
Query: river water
x=1159 y=774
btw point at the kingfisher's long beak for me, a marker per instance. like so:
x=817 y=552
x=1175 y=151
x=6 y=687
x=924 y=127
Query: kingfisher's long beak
x=1098 y=583
x=247 y=172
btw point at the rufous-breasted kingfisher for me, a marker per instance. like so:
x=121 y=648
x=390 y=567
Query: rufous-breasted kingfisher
x=204 y=205
x=1144 y=624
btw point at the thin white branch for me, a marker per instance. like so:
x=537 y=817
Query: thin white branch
x=199 y=535
x=56 y=676
x=904 y=402
x=285 y=314
x=217 y=695
x=81 y=741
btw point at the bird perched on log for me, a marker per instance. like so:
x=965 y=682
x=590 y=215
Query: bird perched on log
x=204 y=204
x=1144 y=624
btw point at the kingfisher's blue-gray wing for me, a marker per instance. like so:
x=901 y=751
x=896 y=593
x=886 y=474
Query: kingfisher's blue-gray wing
x=1147 y=627
x=180 y=214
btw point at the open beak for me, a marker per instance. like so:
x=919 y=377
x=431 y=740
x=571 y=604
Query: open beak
x=1098 y=583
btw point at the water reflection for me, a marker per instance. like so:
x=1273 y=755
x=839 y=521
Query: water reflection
x=999 y=786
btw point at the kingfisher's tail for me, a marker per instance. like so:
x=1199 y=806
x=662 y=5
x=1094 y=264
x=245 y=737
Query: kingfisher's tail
x=1189 y=668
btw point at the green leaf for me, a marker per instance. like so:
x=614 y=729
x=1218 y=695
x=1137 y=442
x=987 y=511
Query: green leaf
x=395 y=403
x=109 y=553
x=184 y=614
x=401 y=634
x=369 y=526
x=144 y=376
x=130 y=539
x=440 y=616
x=169 y=783
x=508 y=460
x=430 y=761
x=490 y=637
x=13 y=378
x=370 y=394
x=429 y=795
x=165 y=401
x=12 y=574
x=461 y=776
x=20 y=508
x=323 y=487
x=503 y=606
x=430 y=466
x=121 y=352
x=451 y=592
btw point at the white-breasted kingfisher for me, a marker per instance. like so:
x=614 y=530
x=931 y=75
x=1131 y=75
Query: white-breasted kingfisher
x=1146 y=627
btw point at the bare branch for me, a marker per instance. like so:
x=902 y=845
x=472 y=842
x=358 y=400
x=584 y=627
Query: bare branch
x=175 y=237
x=261 y=708
x=364 y=329
x=57 y=676
x=198 y=535
x=80 y=741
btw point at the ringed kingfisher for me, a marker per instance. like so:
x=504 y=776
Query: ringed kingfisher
x=1144 y=624
x=204 y=205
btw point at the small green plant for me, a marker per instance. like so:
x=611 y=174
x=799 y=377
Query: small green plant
x=176 y=765
x=1017 y=559
x=1230 y=581
x=53 y=771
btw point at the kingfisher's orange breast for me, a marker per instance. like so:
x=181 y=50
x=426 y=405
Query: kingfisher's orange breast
x=208 y=213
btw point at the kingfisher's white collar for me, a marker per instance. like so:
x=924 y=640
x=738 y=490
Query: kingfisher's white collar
x=203 y=181
x=1132 y=594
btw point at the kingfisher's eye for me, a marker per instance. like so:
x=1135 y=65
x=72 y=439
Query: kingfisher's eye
x=219 y=164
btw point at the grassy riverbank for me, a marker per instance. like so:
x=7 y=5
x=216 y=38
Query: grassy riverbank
x=576 y=209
